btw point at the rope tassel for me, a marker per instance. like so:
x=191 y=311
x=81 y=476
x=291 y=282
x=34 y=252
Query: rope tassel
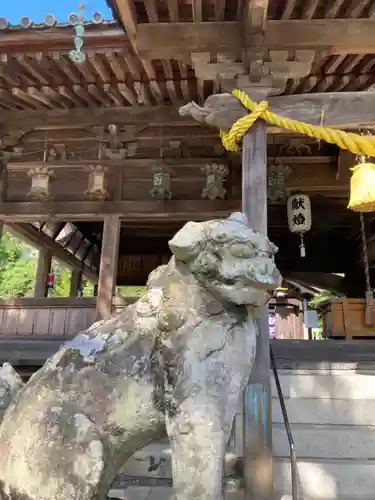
x=362 y=190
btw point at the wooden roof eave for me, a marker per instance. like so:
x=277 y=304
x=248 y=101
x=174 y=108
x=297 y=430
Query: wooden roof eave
x=61 y=38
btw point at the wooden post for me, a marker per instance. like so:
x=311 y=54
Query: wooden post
x=75 y=282
x=108 y=266
x=3 y=187
x=43 y=269
x=257 y=418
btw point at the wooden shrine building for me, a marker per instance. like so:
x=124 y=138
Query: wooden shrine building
x=97 y=133
x=99 y=169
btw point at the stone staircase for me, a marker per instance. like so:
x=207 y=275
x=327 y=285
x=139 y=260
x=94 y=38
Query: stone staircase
x=331 y=408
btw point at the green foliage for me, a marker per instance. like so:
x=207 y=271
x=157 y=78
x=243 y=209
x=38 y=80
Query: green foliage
x=321 y=298
x=130 y=291
x=62 y=277
x=88 y=289
x=18 y=265
x=317 y=302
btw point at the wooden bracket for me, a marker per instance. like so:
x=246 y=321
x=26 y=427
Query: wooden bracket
x=121 y=144
x=272 y=74
x=224 y=65
x=281 y=67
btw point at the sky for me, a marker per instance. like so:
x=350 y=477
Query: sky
x=36 y=10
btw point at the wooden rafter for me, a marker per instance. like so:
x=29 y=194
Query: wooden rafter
x=128 y=16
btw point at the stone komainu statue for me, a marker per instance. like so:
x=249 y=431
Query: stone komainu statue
x=176 y=360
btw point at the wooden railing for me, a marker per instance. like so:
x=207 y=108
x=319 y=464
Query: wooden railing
x=55 y=317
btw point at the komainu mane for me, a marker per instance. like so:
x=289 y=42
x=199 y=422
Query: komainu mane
x=177 y=360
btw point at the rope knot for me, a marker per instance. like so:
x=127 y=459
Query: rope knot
x=344 y=140
x=234 y=136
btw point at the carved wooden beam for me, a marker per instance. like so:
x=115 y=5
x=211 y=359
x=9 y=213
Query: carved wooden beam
x=140 y=213
x=179 y=40
x=84 y=117
x=127 y=163
x=181 y=210
x=351 y=109
x=341 y=109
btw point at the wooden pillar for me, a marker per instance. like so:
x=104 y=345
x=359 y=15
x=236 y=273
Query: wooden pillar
x=3 y=187
x=43 y=269
x=75 y=282
x=257 y=417
x=108 y=266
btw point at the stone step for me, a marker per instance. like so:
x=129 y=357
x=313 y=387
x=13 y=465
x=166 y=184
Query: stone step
x=159 y=493
x=311 y=442
x=317 y=480
x=328 y=441
x=338 y=385
x=154 y=460
x=145 y=493
x=323 y=411
x=327 y=479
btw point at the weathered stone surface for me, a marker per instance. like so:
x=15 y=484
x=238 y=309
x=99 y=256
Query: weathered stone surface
x=177 y=360
x=10 y=384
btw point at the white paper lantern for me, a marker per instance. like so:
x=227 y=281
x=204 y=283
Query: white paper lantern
x=299 y=217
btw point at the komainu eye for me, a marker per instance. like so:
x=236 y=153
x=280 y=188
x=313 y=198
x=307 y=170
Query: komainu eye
x=241 y=251
x=221 y=237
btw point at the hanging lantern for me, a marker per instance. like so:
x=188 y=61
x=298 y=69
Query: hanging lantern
x=276 y=176
x=161 y=183
x=40 y=177
x=215 y=177
x=97 y=189
x=299 y=217
x=362 y=182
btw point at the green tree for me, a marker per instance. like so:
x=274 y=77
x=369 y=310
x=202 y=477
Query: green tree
x=18 y=262
x=62 y=277
x=18 y=265
x=88 y=289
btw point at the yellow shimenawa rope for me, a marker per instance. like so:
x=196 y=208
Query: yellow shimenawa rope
x=357 y=144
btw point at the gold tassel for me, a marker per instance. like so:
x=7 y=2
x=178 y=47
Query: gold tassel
x=362 y=188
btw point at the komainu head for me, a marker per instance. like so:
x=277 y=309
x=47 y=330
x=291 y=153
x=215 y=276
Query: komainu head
x=229 y=259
